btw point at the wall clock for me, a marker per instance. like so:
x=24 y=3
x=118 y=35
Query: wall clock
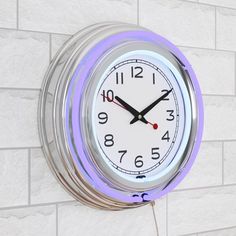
x=120 y=116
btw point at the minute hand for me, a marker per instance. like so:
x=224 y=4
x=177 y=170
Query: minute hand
x=130 y=109
x=148 y=108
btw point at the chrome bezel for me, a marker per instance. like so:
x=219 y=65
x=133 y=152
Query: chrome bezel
x=87 y=105
x=51 y=120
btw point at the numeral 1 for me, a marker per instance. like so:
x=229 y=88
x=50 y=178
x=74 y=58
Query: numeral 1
x=153 y=78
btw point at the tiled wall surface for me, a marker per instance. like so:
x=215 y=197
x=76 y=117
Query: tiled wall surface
x=31 y=201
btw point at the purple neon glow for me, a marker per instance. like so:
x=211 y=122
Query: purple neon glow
x=75 y=92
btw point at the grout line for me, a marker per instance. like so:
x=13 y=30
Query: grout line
x=154 y=215
x=204 y=187
x=37 y=205
x=167 y=222
x=29 y=176
x=213 y=5
x=215 y=141
x=50 y=48
x=138 y=22
x=215 y=27
x=218 y=95
x=223 y=172
x=235 y=73
x=17 y=14
x=19 y=148
x=56 y=219
x=22 y=89
x=69 y=35
x=202 y=48
x=192 y=234
x=211 y=141
x=216 y=230
x=36 y=31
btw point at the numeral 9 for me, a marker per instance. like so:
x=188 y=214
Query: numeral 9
x=103 y=118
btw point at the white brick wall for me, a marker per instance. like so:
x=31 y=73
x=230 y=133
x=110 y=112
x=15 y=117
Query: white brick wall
x=32 y=203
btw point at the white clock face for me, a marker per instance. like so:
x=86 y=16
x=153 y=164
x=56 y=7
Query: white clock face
x=139 y=116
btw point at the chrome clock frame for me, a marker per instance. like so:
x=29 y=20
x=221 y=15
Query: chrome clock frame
x=53 y=104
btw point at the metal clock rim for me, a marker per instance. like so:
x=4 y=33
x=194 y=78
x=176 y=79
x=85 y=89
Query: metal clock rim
x=44 y=135
x=120 y=51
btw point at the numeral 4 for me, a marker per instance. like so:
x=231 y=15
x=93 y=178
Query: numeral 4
x=166 y=136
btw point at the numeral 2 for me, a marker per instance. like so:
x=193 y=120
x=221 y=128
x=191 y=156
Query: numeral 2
x=165 y=91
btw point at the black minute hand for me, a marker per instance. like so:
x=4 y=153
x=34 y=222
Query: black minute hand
x=130 y=109
x=148 y=108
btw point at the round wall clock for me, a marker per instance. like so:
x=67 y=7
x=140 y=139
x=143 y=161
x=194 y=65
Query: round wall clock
x=121 y=116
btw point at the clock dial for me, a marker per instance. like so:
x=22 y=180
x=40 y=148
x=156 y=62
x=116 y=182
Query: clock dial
x=120 y=116
x=138 y=116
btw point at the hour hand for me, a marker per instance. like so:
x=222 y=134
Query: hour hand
x=148 y=108
x=129 y=108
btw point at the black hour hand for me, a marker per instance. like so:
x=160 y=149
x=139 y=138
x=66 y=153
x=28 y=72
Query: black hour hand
x=129 y=108
x=148 y=108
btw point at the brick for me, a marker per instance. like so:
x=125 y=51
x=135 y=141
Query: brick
x=14 y=178
x=68 y=17
x=229 y=162
x=201 y=210
x=44 y=186
x=183 y=23
x=35 y=221
x=8 y=13
x=207 y=169
x=220 y=113
x=213 y=68
x=221 y=232
x=24 y=58
x=225 y=29
x=93 y=222
x=18 y=118
x=222 y=3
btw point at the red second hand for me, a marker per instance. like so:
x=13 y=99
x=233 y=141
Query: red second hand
x=154 y=125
